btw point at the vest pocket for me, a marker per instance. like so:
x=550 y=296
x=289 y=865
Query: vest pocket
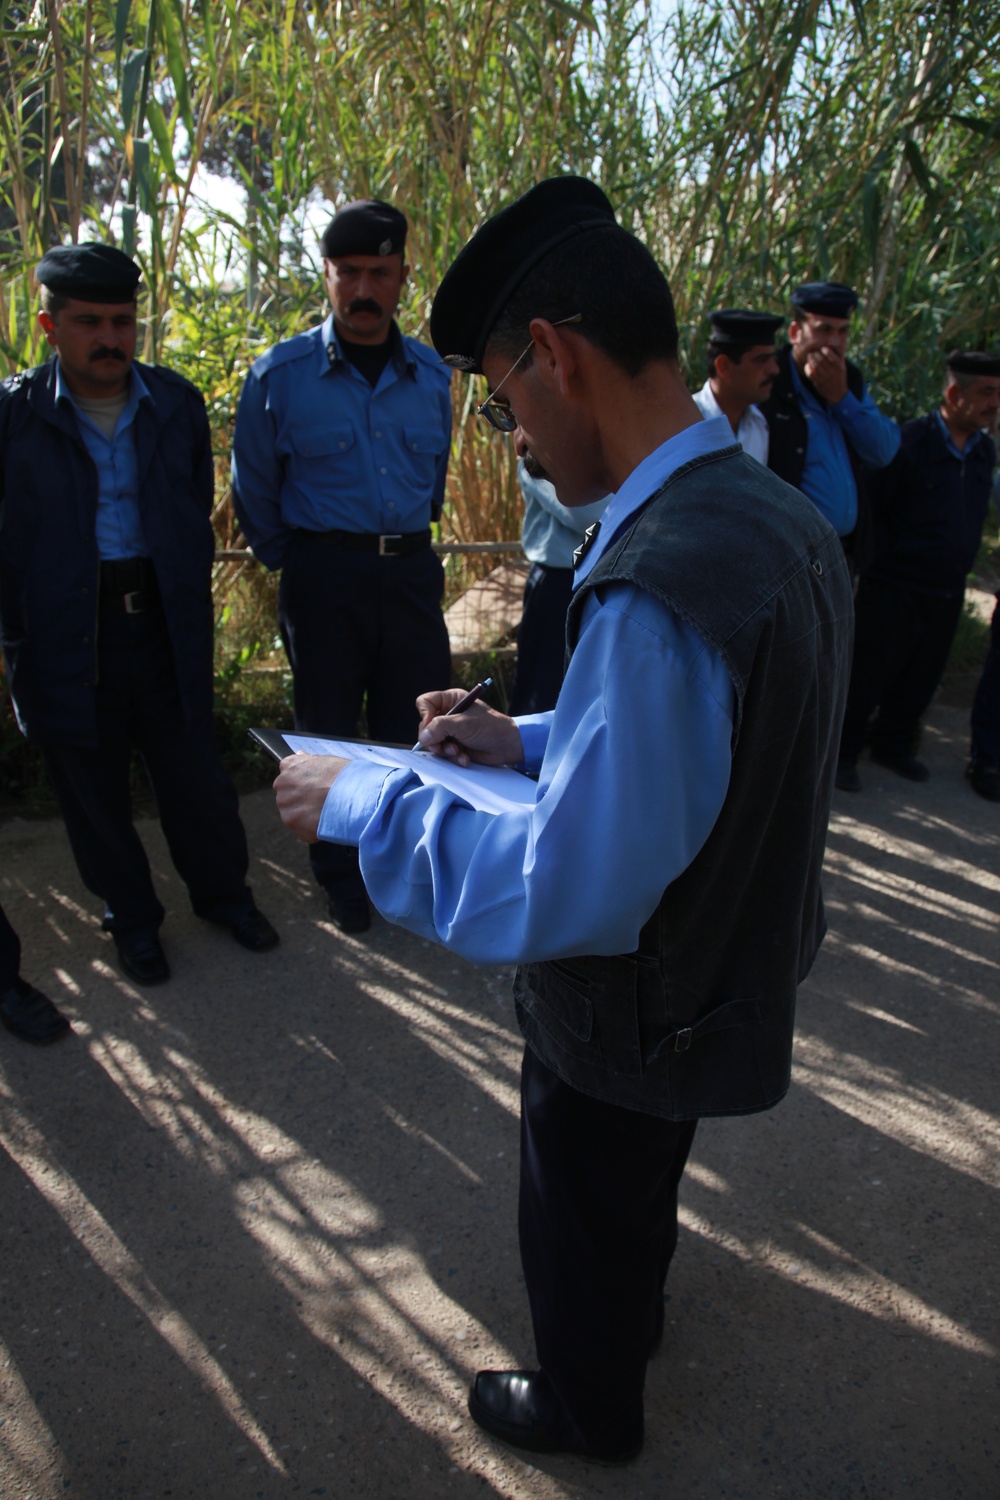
x=559 y=997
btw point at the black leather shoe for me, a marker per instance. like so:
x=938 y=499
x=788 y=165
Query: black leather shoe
x=903 y=765
x=502 y=1403
x=848 y=779
x=255 y=932
x=31 y=1015
x=350 y=913
x=142 y=959
x=985 y=780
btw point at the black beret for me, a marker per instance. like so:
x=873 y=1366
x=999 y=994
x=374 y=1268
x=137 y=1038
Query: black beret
x=92 y=272
x=739 y=325
x=829 y=299
x=480 y=280
x=367 y=227
x=973 y=362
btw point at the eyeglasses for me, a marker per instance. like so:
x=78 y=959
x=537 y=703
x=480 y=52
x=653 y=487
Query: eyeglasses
x=499 y=413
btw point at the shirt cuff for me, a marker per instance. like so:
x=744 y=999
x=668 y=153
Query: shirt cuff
x=534 y=732
x=353 y=800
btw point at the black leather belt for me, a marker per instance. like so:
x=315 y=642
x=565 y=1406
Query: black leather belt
x=129 y=584
x=395 y=544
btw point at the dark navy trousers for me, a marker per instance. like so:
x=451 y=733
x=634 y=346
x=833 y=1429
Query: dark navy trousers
x=541 y=640
x=986 y=703
x=364 y=636
x=10 y=953
x=598 y=1229
x=138 y=705
x=902 y=639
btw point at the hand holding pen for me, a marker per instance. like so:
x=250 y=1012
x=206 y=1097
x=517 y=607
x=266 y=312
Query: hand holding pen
x=484 y=736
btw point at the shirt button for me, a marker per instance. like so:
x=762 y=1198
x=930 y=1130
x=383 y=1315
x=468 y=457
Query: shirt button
x=342 y=444
x=383 y=471
x=378 y=434
x=392 y=505
x=414 y=447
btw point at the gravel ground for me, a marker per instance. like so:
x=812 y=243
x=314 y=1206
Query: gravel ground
x=259 y=1223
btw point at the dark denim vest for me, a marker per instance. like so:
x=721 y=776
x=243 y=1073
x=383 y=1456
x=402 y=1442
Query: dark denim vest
x=698 y=1020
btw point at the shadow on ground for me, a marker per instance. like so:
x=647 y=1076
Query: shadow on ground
x=259 y=1223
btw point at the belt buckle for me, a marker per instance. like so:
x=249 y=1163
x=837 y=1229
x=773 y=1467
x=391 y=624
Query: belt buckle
x=131 y=607
x=393 y=536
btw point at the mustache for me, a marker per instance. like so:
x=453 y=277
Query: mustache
x=533 y=467
x=364 y=304
x=105 y=354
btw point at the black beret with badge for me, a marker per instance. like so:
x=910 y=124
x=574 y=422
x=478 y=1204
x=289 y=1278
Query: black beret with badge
x=742 y=326
x=482 y=277
x=827 y=299
x=973 y=362
x=91 y=272
x=366 y=227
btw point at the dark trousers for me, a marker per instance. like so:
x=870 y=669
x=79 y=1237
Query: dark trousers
x=10 y=953
x=138 y=705
x=902 y=638
x=598 y=1229
x=360 y=631
x=986 y=703
x=541 y=640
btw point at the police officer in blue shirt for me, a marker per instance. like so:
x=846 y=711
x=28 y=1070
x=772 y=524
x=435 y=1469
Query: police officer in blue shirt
x=106 y=546
x=339 y=463
x=826 y=433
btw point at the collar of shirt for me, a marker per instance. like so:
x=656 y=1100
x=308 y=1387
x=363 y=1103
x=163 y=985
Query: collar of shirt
x=752 y=418
x=331 y=355
x=701 y=438
x=960 y=453
x=138 y=391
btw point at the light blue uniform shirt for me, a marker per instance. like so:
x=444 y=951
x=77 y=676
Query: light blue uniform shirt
x=827 y=477
x=633 y=768
x=317 y=447
x=550 y=531
x=118 y=525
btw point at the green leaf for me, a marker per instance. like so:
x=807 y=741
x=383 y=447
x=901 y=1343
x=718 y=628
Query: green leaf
x=171 y=34
x=131 y=78
x=140 y=165
x=121 y=22
x=128 y=229
x=918 y=166
x=162 y=135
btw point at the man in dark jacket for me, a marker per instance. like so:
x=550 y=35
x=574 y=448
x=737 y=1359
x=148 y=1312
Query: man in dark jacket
x=928 y=526
x=106 y=545
x=660 y=885
x=825 y=430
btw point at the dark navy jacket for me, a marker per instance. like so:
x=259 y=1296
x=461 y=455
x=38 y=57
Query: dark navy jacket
x=699 y=1019
x=929 y=509
x=49 y=563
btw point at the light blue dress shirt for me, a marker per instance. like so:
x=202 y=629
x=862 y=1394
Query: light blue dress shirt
x=317 y=447
x=119 y=524
x=827 y=477
x=551 y=531
x=633 y=768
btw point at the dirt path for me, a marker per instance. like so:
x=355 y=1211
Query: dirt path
x=259 y=1224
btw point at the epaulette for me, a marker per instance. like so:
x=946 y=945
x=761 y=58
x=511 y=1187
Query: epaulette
x=300 y=346
x=429 y=356
x=14 y=382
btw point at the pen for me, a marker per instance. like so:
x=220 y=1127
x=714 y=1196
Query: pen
x=472 y=696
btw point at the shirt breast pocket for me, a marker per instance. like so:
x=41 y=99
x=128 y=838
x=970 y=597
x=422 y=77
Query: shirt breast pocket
x=423 y=446
x=316 y=447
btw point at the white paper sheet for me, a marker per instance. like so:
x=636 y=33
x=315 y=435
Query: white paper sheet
x=492 y=789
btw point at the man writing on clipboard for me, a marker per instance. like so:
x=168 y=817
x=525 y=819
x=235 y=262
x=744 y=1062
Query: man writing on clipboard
x=687 y=769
